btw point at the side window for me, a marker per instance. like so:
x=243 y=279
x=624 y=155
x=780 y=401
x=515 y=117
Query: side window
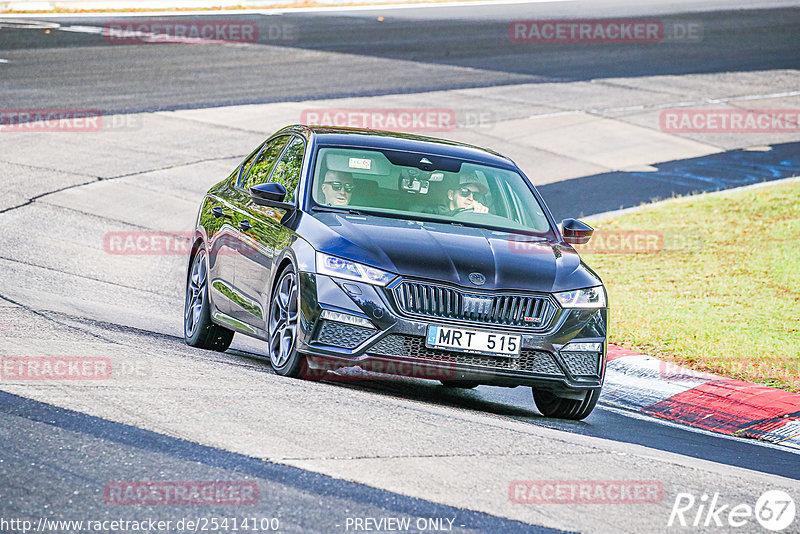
x=246 y=165
x=287 y=171
x=512 y=205
x=262 y=167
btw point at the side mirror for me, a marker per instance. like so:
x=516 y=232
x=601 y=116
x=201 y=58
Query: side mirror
x=270 y=194
x=576 y=232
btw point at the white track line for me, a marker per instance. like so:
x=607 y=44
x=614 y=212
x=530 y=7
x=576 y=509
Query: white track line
x=277 y=10
x=149 y=37
x=704 y=101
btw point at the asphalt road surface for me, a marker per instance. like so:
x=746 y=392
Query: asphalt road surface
x=303 y=56
x=321 y=454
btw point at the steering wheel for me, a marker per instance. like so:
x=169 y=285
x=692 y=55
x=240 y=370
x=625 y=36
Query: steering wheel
x=460 y=210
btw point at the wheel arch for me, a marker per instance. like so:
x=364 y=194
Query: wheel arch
x=286 y=259
x=300 y=254
x=199 y=241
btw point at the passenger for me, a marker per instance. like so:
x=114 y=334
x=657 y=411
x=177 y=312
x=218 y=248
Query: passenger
x=337 y=188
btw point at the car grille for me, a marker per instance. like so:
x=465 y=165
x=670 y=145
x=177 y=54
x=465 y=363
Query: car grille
x=582 y=363
x=403 y=346
x=343 y=335
x=430 y=300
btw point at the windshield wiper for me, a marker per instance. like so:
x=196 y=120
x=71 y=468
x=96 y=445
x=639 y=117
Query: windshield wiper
x=331 y=209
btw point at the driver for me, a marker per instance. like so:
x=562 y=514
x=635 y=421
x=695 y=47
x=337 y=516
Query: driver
x=469 y=195
x=337 y=187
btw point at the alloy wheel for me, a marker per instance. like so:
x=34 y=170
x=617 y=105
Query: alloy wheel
x=283 y=320
x=195 y=294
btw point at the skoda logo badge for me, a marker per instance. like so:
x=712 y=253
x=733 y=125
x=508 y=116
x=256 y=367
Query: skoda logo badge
x=477 y=278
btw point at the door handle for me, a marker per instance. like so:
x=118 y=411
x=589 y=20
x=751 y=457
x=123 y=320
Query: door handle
x=217 y=213
x=245 y=225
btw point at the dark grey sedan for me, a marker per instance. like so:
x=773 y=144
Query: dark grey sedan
x=402 y=255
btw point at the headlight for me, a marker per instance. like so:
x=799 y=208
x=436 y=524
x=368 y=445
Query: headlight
x=593 y=297
x=333 y=266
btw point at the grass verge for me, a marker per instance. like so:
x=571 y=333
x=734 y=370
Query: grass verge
x=714 y=284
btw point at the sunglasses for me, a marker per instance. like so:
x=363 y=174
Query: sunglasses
x=337 y=186
x=466 y=192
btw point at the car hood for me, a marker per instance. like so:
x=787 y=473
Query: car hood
x=449 y=253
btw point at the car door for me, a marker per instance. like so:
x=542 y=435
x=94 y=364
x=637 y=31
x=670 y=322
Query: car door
x=222 y=241
x=267 y=236
x=251 y=239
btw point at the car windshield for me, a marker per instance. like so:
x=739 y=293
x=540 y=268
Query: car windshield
x=419 y=186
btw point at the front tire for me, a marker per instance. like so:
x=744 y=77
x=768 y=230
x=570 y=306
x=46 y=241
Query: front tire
x=198 y=329
x=552 y=405
x=283 y=325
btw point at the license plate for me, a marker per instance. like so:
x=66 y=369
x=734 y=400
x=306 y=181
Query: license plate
x=475 y=341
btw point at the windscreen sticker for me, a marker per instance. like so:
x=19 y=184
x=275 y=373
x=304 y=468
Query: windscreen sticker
x=360 y=163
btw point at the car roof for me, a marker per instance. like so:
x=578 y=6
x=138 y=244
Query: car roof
x=365 y=138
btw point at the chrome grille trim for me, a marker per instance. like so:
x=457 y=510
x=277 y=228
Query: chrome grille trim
x=424 y=299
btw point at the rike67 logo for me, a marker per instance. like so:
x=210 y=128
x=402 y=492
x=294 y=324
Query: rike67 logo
x=774 y=510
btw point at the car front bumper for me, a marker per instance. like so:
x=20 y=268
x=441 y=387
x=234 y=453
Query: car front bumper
x=396 y=344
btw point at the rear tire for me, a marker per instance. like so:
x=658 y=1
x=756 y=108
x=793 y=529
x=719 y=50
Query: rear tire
x=198 y=329
x=551 y=405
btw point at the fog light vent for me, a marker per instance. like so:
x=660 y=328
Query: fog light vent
x=582 y=363
x=342 y=335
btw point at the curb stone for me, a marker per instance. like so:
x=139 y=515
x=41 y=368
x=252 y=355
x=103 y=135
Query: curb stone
x=660 y=389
